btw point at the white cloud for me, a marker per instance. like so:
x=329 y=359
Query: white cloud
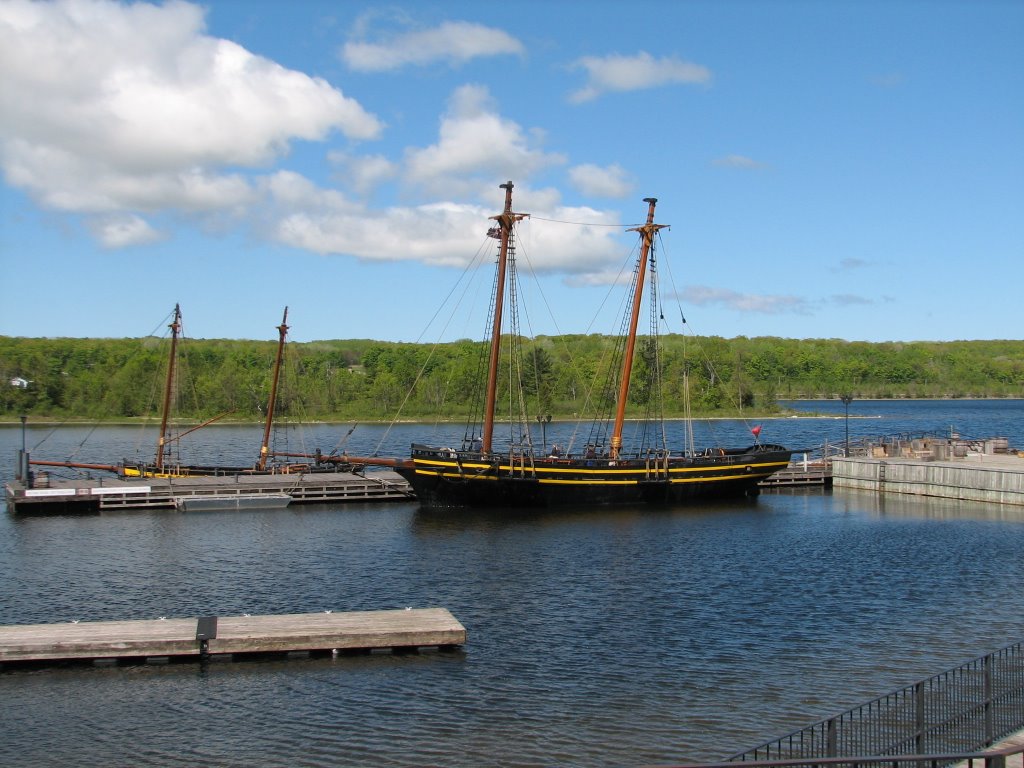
x=474 y=139
x=438 y=234
x=454 y=42
x=739 y=161
x=62 y=180
x=287 y=190
x=703 y=295
x=111 y=107
x=130 y=114
x=633 y=73
x=589 y=245
x=363 y=173
x=120 y=231
x=594 y=181
x=441 y=234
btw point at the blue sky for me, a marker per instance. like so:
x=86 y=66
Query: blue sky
x=836 y=169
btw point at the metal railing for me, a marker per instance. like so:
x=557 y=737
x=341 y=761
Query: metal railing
x=991 y=758
x=955 y=712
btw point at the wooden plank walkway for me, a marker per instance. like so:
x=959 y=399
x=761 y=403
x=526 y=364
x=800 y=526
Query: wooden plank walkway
x=90 y=496
x=206 y=636
x=816 y=473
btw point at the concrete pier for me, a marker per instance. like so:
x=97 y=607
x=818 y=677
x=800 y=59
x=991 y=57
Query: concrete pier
x=993 y=478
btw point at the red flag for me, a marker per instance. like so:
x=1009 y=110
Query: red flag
x=756 y=430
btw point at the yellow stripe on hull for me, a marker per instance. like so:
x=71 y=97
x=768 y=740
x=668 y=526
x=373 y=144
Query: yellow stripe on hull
x=464 y=469
x=585 y=481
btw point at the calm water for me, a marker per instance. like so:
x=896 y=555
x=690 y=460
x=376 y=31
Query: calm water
x=596 y=637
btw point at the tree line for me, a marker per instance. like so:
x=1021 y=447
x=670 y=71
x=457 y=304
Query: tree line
x=362 y=379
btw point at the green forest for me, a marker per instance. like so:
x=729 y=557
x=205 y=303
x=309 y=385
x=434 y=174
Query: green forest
x=360 y=379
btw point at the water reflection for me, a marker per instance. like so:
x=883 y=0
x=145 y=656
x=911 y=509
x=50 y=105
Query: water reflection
x=927 y=507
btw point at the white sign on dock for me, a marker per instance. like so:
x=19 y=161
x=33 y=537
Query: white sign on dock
x=50 y=492
x=110 y=490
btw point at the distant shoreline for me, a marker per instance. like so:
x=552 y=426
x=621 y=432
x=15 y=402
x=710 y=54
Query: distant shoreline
x=52 y=422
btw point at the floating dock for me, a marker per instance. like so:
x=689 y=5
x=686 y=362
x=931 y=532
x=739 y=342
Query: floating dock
x=203 y=637
x=813 y=473
x=50 y=495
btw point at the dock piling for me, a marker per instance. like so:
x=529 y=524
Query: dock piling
x=206 y=630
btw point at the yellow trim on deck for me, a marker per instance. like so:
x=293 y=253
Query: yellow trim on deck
x=166 y=475
x=553 y=481
x=653 y=469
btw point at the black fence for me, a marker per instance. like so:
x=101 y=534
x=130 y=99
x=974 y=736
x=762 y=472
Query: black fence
x=959 y=711
x=1003 y=757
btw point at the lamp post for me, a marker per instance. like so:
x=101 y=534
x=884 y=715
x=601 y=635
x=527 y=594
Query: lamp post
x=847 y=399
x=23 y=457
x=544 y=421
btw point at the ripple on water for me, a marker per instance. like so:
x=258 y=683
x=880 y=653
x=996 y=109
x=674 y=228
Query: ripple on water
x=595 y=638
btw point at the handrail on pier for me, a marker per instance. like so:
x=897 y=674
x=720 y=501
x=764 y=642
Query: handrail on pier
x=989 y=758
x=960 y=710
x=942 y=720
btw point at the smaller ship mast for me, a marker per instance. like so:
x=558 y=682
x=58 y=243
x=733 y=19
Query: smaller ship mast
x=647 y=232
x=175 y=327
x=282 y=330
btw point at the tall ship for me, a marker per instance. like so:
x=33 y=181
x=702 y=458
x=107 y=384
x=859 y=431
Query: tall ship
x=523 y=472
x=165 y=463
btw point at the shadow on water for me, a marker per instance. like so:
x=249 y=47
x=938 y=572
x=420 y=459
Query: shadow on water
x=175 y=669
x=510 y=517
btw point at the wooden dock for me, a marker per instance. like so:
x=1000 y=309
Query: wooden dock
x=203 y=637
x=814 y=473
x=91 y=496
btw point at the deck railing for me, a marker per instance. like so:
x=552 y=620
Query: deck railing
x=955 y=712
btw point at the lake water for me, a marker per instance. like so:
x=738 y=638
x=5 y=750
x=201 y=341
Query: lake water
x=596 y=637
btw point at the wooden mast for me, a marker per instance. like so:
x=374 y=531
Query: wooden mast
x=506 y=220
x=175 y=327
x=647 y=232
x=282 y=330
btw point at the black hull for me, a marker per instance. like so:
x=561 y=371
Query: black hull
x=175 y=471
x=443 y=478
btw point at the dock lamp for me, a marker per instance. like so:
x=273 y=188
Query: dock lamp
x=23 y=456
x=847 y=399
x=544 y=421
